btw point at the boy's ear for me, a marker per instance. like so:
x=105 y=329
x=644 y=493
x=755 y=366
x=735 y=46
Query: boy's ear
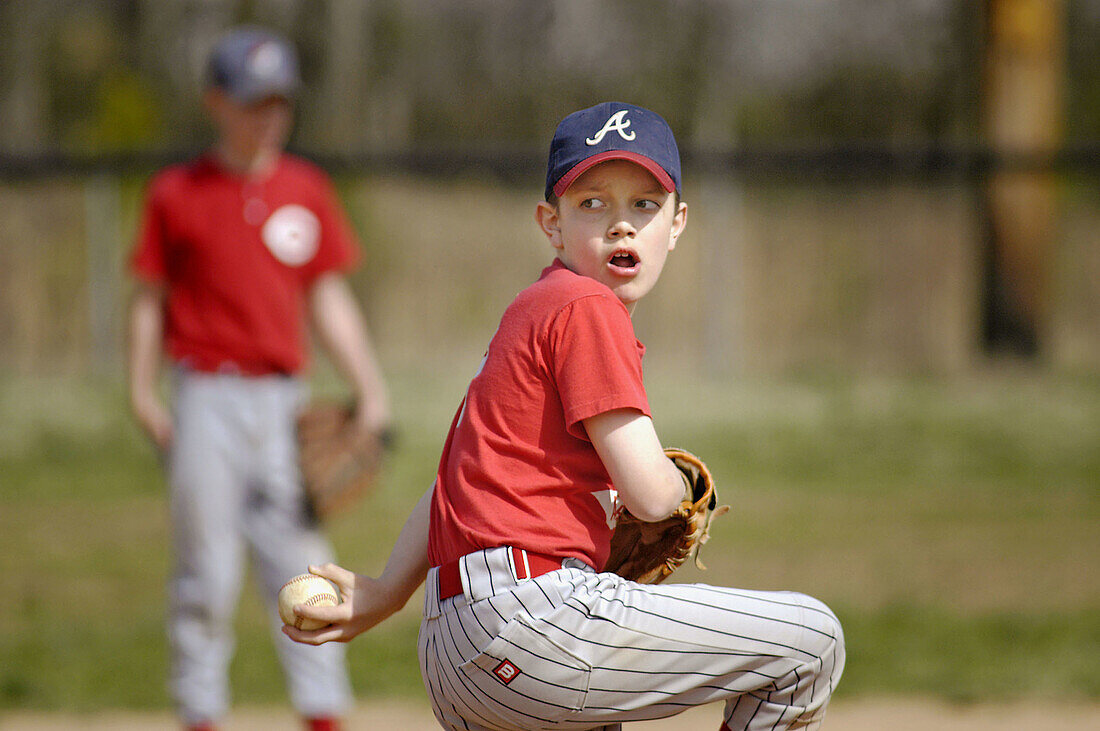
x=547 y=218
x=214 y=101
x=679 y=221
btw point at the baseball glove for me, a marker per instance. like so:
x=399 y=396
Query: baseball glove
x=339 y=462
x=650 y=552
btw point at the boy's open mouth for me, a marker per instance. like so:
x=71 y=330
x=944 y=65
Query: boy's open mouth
x=623 y=260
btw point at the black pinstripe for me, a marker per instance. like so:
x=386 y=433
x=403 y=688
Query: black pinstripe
x=449 y=662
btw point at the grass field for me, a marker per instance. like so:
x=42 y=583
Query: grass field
x=953 y=525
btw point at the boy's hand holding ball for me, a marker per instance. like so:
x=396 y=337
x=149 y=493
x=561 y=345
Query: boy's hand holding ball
x=308 y=589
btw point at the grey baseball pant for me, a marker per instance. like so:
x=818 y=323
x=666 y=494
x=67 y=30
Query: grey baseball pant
x=236 y=490
x=576 y=649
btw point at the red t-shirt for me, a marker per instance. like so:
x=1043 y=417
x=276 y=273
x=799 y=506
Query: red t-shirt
x=517 y=467
x=237 y=256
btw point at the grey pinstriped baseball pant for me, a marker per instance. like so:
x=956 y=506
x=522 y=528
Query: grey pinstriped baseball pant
x=235 y=489
x=576 y=649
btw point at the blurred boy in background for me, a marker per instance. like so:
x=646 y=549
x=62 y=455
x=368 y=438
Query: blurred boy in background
x=235 y=249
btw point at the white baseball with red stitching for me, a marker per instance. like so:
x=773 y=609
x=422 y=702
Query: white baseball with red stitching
x=305 y=589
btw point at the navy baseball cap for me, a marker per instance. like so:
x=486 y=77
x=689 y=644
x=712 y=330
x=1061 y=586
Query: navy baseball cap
x=612 y=131
x=251 y=64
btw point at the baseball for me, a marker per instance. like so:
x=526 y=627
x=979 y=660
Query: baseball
x=305 y=589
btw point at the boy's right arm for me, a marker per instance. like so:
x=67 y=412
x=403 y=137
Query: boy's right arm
x=368 y=601
x=143 y=360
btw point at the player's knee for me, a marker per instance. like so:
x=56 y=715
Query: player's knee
x=832 y=665
x=209 y=598
x=828 y=639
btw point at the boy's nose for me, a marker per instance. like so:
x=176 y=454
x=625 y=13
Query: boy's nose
x=621 y=229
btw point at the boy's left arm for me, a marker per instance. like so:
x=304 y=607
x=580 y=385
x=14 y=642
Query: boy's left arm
x=649 y=484
x=342 y=330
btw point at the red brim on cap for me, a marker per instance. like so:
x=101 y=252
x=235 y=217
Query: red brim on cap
x=579 y=169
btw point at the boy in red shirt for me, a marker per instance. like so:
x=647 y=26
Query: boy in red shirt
x=234 y=249
x=521 y=630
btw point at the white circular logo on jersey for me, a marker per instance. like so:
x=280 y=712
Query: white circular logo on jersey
x=266 y=60
x=292 y=234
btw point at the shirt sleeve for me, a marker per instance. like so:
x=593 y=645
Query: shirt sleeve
x=596 y=360
x=148 y=258
x=338 y=249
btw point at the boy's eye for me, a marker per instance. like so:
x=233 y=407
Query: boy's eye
x=648 y=205
x=591 y=203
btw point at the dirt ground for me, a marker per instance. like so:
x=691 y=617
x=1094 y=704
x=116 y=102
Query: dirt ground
x=857 y=715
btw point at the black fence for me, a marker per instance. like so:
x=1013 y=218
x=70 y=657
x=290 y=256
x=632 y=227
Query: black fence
x=843 y=160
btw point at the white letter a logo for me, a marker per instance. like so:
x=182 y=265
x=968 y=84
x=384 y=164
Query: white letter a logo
x=617 y=122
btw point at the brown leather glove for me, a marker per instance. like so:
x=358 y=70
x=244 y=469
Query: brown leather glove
x=339 y=461
x=650 y=552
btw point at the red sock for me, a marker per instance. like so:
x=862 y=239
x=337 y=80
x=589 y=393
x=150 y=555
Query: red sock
x=322 y=724
x=201 y=727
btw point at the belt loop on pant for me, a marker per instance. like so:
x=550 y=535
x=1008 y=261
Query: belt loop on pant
x=525 y=565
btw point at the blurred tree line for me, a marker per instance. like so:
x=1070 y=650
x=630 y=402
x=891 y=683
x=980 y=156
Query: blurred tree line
x=839 y=151
x=93 y=76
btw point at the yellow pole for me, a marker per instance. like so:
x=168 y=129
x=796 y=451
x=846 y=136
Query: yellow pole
x=1023 y=118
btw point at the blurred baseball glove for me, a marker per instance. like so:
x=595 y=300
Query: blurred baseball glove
x=650 y=552
x=339 y=462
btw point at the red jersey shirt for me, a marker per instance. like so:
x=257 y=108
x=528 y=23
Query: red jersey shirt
x=237 y=256
x=517 y=467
